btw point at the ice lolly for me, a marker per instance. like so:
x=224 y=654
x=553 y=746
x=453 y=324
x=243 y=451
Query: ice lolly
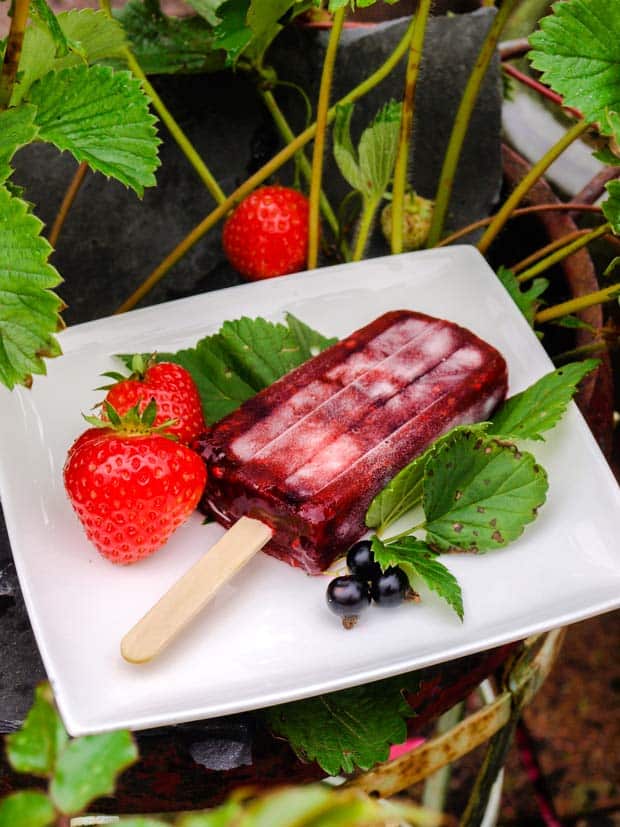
x=307 y=454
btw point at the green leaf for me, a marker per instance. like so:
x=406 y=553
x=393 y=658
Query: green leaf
x=91 y=34
x=17 y=129
x=226 y=815
x=541 y=406
x=167 y=45
x=207 y=9
x=344 y=151
x=578 y=51
x=35 y=747
x=480 y=493
x=378 y=147
x=613 y=265
x=142 y=821
x=526 y=300
x=232 y=34
x=29 y=310
x=49 y=19
x=611 y=207
x=102 y=117
x=26 y=809
x=245 y=356
x=419 y=561
x=574 y=323
x=347 y=729
x=370 y=168
x=404 y=491
x=88 y=767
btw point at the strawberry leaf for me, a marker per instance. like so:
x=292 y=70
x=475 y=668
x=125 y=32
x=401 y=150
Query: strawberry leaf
x=35 y=747
x=245 y=356
x=347 y=729
x=91 y=36
x=207 y=9
x=102 y=117
x=480 y=493
x=539 y=408
x=419 y=562
x=232 y=34
x=88 y=767
x=27 y=809
x=17 y=129
x=526 y=300
x=29 y=311
x=577 y=49
x=611 y=207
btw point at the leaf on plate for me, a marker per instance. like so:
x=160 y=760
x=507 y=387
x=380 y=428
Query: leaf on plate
x=527 y=300
x=611 y=206
x=540 y=407
x=27 y=809
x=242 y=358
x=88 y=767
x=404 y=491
x=92 y=35
x=347 y=729
x=480 y=493
x=102 y=117
x=169 y=45
x=35 y=747
x=419 y=562
x=577 y=49
x=17 y=128
x=29 y=311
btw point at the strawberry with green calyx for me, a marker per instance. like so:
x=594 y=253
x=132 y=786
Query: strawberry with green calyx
x=417 y=216
x=131 y=483
x=267 y=234
x=170 y=385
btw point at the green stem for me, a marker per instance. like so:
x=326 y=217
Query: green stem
x=406 y=533
x=461 y=122
x=575 y=305
x=371 y=205
x=288 y=135
x=319 y=140
x=261 y=175
x=406 y=124
x=13 y=51
x=542 y=252
x=563 y=252
x=579 y=352
x=185 y=145
x=523 y=187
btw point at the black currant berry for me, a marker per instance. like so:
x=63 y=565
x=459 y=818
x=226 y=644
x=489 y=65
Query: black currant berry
x=347 y=596
x=390 y=588
x=361 y=560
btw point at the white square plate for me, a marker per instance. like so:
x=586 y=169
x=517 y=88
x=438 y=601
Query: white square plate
x=268 y=637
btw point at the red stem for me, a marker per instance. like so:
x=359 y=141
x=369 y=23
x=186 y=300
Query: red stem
x=539 y=87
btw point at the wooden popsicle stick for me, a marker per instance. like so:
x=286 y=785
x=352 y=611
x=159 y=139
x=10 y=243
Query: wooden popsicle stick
x=190 y=594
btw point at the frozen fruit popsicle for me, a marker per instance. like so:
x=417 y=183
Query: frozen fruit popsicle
x=294 y=469
x=307 y=455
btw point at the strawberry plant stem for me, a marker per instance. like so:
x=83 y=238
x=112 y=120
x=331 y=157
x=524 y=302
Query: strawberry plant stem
x=288 y=135
x=67 y=202
x=185 y=145
x=365 y=225
x=406 y=124
x=524 y=186
x=579 y=352
x=543 y=90
x=461 y=122
x=544 y=251
x=13 y=50
x=319 y=139
x=484 y=222
x=261 y=175
x=575 y=305
x=563 y=252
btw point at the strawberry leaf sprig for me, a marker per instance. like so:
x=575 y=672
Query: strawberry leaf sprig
x=477 y=489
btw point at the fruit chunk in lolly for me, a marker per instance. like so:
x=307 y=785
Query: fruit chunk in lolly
x=307 y=455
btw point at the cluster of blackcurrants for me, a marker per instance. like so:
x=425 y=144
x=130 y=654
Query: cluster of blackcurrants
x=350 y=594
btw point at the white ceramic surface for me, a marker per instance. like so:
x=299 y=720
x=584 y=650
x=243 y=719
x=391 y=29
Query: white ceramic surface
x=268 y=637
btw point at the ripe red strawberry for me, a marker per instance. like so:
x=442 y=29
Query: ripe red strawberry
x=267 y=234
x=131 y=486
x=173 y=390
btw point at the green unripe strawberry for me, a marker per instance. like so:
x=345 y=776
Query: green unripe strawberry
x=417 y=215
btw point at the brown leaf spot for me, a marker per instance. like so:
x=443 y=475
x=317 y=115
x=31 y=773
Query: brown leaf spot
x=497 y=537
x=458 y=527
x=481 y=509
x=493 y=522
x=458 y=495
